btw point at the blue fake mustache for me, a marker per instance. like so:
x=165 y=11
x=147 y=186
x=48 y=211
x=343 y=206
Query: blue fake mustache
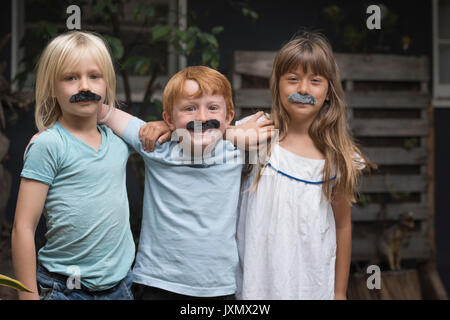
x=298 y=97
x=209 y=124
x=84 y=96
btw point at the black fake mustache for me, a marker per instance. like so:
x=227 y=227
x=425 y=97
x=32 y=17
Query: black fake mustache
x=84 y=96
x=298 y=97
x=209 y=124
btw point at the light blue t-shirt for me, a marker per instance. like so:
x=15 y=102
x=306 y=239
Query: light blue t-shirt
x=86 y=208
x=187 y=243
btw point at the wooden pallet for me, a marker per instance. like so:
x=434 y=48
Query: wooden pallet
x=388 y=109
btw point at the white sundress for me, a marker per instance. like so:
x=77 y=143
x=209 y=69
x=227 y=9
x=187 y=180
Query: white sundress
x=286 y=232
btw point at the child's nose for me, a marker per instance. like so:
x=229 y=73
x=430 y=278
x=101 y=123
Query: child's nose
x=202 y=115
x=84 y=84
x=302 y=87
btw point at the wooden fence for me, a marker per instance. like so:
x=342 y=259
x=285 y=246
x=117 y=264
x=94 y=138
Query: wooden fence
x=388 y=109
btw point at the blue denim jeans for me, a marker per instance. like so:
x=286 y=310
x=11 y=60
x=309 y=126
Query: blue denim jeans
x=53 y=287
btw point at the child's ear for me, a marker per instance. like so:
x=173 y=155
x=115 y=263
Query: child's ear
x=229 y=117
x=169 y=121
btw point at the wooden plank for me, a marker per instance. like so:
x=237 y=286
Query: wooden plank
x=394 y=285
x=382 y=67
x=387 y=99
x=393 y=211
x=254 y=63
x=393 y=183
x=373 y=67
x=396 y=100
x=389 y=127
x=396 y=156
x=364 y=245
x=253 y=98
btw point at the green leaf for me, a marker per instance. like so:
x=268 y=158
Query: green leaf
x=8 y=282
x=116 y=46
x=206 y=56
x=217 y=30
x=160 y=32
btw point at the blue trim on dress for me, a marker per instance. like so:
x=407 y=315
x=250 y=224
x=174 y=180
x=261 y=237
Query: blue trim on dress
x=297 y=179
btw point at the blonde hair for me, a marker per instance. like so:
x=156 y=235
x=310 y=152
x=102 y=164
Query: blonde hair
x=329 y=131
x=62 y=53
x=209 y=81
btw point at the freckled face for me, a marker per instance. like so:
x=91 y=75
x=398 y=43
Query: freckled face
x=203 y=108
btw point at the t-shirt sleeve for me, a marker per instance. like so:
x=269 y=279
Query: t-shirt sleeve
x=131 y=135
x=42 y=158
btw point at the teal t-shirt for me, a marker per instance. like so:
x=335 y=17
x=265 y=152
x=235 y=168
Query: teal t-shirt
x=86 y=208
x=187 y=243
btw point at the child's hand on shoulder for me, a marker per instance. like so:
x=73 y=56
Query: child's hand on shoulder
x=252 y=133
x=154 y=131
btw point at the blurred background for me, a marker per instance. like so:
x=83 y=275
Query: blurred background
x=397 y=87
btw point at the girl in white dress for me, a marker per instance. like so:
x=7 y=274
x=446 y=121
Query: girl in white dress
x=294 y=226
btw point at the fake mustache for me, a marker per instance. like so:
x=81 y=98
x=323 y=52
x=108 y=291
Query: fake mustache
x=209 y=124
x=84 y=96
x=298 y=97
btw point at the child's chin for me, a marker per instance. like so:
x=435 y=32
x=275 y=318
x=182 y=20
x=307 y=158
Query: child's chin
x=206 y=138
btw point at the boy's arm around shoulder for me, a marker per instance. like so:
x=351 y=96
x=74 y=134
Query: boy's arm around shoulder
x=118 y=120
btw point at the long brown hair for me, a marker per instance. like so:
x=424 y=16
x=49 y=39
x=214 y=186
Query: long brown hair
x=329 y=130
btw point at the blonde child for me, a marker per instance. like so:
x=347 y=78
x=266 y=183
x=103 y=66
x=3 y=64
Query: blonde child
x=74 y=170
x=294 y=226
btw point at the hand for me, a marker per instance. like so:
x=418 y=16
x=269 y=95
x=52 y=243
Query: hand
x=251 y=134
x=154 y=131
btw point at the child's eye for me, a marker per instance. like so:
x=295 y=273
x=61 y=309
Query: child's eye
x=213 y=107
x=69 y=78
x=96 y=76
x=316 y=80
x=189 y=108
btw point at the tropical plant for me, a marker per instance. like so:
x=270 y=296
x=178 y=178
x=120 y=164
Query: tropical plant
x=9 y=282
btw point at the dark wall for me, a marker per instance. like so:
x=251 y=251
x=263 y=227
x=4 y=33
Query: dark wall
x=442 y=187
x=280 y=20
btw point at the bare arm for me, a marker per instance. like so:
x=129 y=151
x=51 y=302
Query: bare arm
x=342 y=217
x=30 y=202
x=153 y=131
x=117 y=120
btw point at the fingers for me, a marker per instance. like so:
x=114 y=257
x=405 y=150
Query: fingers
x=265 y=123
x=165 y=137
x=152 y=132
x=257 y=115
